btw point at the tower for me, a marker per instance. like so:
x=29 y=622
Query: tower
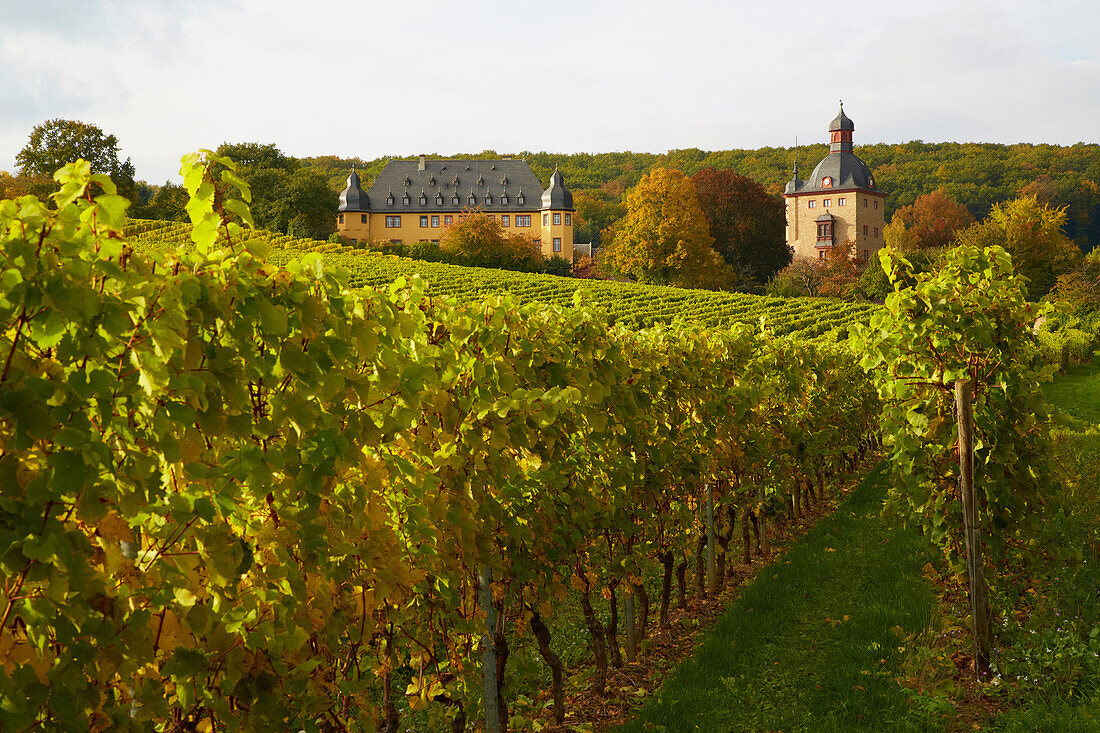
x=557 y=218
x=838 y=203
x=353 y=217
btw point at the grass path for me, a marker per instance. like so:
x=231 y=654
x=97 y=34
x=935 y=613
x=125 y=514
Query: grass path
x=811 y=645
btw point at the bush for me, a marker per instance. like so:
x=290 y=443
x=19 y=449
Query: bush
x=558 y=266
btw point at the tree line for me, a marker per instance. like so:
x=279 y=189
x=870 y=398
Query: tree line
x=298 y=194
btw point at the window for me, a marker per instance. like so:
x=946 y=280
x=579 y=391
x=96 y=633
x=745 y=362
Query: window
x=492 y=217
x=472 y=200
x=557 y=219
x=519 y=199
x=557 y=244
x=447 y=219
x=841 y=201
x=362 y=218
x=821 y=255
x=488 y=198
x=876 y=231
x=546 y=220
x=812 y=204
x=423 y=199
x=505 y=220
x=826 y=203
x=389 y=200
x=341 y=218
x=393 y=222
x=439 y=199
x=523 y=220
x=354 y=240
x=504 y=199
x=538 y=242
x=435 y=220
x=405 y=199
x=876 y=204
x=454 y=199
x=864 y=202
x=568 y=220
x=825 y=232
x=435 y=242
x=865 y=230
x=423 y=222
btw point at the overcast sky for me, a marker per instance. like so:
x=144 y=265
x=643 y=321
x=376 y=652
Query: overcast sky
x=403 y=77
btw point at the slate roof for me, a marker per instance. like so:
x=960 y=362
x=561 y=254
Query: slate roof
x=403 y=186
x=845 y=170
x=841 y=121
x=353 y=198
x=843 y=167
x=557 y=196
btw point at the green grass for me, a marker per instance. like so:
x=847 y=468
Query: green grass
x=812 y=645
x=1077 y=392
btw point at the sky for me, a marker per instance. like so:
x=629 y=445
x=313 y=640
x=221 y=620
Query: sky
x=369 y=79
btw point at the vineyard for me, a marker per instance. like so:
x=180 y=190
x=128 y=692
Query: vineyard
x=630 y=304
x=326 y=497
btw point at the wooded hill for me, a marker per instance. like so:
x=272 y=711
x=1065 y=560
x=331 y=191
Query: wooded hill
x=975 y=174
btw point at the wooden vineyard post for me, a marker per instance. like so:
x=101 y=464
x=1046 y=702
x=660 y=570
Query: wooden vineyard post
x=488 y=653
x=975 y=565
x=712 y=569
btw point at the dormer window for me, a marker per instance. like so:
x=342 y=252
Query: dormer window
x=488 y=198
x=389 y=200
x=504 y=181
x=431 y=180
x=439 y=199
x=480 y=181
x=504 y=199
x=407 y=181
x=454 y=199
x=472 y=200
x=519 y=199
x=423 y=199
x=405 y=199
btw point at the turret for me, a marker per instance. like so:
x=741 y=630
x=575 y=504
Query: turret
x=353 y=197
x=557 y=218
x=840 y=132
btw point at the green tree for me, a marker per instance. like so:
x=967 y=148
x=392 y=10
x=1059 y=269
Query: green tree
x=663 y=239
x=929 y=222
x=596 y=211
x=170 y=203
x=1032 y=233
x=56 y=143
x=748 y=224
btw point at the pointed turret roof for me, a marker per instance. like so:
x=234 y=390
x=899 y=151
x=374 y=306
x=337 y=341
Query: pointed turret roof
x=841 y=121
x=557 y=196
x=353 y=197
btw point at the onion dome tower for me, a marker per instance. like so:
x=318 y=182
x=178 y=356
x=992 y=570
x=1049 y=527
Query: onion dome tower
x=557 y=218
x=353 y=217
x=838 y=204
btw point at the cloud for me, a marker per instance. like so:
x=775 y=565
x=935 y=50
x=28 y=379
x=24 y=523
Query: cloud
x=370 y=79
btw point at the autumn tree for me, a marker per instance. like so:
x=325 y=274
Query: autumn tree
x=478 y=240
x=664 y=238
x=930 y=221
x=1032 y=233
x=748 y=224
x=56 y=143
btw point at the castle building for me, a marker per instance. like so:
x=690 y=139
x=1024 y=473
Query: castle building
x=416 y=200
x=839 y=202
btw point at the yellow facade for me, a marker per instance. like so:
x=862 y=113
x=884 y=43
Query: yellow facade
x=379 y=228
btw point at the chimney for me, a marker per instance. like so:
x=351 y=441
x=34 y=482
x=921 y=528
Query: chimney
x=506 y=157
x=422 y=162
